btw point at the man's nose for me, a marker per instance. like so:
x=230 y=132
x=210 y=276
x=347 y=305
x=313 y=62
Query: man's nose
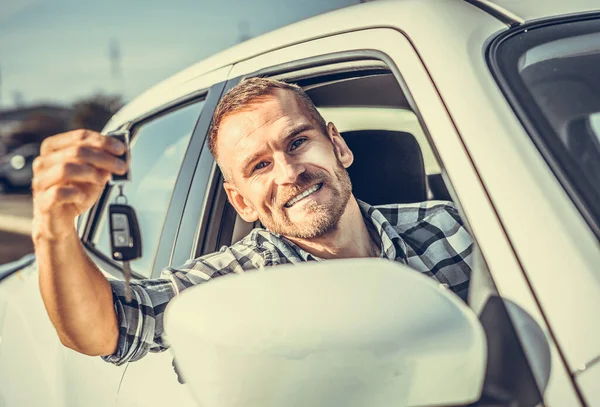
x=287 y=170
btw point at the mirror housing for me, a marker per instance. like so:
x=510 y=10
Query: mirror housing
x=360 y=332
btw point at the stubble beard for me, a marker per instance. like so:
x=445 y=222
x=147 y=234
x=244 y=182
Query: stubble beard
x=319 y=219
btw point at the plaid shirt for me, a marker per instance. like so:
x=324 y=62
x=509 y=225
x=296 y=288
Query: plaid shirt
x=427 y=236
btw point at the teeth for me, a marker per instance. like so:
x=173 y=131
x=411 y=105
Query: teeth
x=303 y=195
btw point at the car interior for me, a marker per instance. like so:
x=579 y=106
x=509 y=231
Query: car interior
x=367 y=105
x=562 y=79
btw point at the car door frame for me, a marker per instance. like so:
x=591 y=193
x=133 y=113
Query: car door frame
x=210 y=94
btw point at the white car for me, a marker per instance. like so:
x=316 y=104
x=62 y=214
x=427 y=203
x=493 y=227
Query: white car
x=494 y=105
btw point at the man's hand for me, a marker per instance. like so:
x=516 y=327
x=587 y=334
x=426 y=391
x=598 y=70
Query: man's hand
x=69 y=176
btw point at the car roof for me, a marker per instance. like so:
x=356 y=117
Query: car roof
x=389 y=13
x=400 y=14
x=394 y=14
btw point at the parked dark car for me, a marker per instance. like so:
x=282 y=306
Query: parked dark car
x=16 y=167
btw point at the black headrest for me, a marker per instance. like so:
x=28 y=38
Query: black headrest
x=584 y=146
x=388 y=167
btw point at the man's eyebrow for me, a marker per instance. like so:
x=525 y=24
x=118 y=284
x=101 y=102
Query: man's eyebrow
x=297 y=129
x=292 y=132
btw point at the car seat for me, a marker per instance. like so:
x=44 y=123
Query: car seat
x=388 y=167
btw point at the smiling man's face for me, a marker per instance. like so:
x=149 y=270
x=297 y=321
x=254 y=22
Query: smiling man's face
x=282 y=169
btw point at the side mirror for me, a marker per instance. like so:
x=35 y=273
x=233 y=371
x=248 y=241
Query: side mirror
x=361 y=332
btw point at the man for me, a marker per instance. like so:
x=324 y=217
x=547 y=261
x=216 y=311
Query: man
x=283 y=165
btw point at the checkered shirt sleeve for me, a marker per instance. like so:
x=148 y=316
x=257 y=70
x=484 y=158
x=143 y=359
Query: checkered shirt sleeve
x=435 y=241
x=141 y=321
x=428 y=236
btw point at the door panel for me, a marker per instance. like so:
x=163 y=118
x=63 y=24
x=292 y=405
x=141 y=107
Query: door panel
x=35 y=368
x=152 y=381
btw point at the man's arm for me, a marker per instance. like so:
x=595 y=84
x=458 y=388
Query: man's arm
x=69 y=176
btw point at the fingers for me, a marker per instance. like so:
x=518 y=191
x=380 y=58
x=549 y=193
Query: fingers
x=83 y=138
x=65 y=173
x=60 y=195
x=69 y=176
x=82 y=155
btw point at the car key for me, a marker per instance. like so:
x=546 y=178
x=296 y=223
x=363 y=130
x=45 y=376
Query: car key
x=125 y=238
x=123 y=136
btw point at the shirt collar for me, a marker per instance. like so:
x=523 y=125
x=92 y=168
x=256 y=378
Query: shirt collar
x=392 y=246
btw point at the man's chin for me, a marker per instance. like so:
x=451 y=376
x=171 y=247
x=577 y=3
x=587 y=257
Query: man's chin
x=310 y=221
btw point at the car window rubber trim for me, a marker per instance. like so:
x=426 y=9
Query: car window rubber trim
x=587 y=200
x=497 y=12
x=185 y=179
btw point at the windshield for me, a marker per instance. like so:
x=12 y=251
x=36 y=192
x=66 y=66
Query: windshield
x=551 y=73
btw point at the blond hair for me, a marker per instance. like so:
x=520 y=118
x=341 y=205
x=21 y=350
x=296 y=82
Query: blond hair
x=251 y=91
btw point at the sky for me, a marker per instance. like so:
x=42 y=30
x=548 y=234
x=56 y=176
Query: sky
x=58 y=52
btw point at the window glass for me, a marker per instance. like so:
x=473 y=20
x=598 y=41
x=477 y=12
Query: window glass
x=553 y=73
x=157 y=151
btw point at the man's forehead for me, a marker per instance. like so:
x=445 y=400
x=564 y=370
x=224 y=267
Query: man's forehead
x=249 y=120
x=238 y=129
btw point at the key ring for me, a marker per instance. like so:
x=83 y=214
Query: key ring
x=121 y=195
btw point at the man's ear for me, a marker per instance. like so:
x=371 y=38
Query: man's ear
x=241 y=206
x=341 y=149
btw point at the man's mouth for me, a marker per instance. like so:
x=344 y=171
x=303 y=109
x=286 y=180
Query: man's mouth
x=303 y=195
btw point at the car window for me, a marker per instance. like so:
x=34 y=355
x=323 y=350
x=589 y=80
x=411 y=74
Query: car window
x=158 y=147
x=552 y=73
x=370 y=110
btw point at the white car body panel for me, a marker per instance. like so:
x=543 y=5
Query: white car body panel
x=589 y=381
x=35 y=368
x=152 y=381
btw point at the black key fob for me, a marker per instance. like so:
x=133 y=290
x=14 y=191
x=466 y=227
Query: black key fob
x=123 y=136
x=125 y=236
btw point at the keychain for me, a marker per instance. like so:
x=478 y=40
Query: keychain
x=125 y=236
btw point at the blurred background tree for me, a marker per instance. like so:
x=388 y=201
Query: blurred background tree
x=93 y=112
x=35 y=128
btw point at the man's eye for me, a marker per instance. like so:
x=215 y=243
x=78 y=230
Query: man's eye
x=297 y=143
x=260 y=165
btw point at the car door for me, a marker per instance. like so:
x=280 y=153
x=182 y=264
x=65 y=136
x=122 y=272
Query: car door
x=35 y=368
x=524 y=331
x=201 y=221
